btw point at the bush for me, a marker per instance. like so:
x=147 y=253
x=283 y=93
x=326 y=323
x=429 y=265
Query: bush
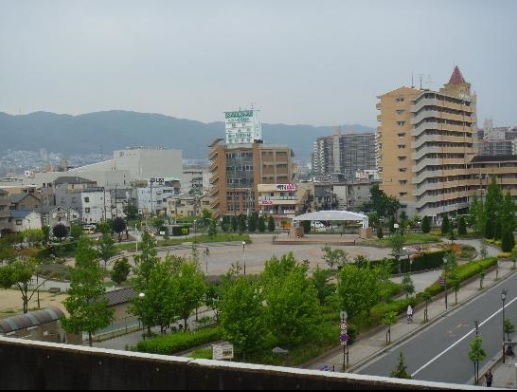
x=180 y=341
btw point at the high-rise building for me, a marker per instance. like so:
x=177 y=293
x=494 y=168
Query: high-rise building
x=343 y=155
x=425 y=141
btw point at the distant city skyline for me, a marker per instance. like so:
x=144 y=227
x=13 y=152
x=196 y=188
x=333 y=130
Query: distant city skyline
x=298 y=62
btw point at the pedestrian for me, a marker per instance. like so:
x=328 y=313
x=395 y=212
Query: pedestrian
x=489 y=377
x=409 y=313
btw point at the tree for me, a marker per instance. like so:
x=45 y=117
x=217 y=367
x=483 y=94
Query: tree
x=60 y=231
x=107 y=249
x=492 y=210
x=334 y=257
x=120 y=270
x=359 y=288
x=76 y=231
x=119 y=225
x=145 y=262
x=212 y=228
x=446 y=225
x=389 y=318
x=320 y=280
x=262 y=224
x=507 y=240
x=397 y=242
x=190 y=288
x=88 y=310
x=271 y=224
x=161 y=304
x=483 y=252
x=426 y=225
x=462 y=226
x=455 y=282
x=427 y=297
x=241 y=223
x=19 y=273
x=400 y=371
x=408 y=285
x=477 y=215
x=131 y=211
x=234 y=223
x=380 y=233
x=477 y=354
x=242 y=315
x=252 y=222
x=46 y=234
x=226 y=224
x=292 y=305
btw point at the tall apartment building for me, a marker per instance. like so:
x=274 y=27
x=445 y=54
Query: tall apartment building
x=344 y=154
x=237 y=170
x=425 y=141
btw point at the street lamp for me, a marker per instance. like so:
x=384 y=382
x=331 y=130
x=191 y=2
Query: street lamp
x=244 y=255
x=445 y=279
x=503 y=298
x=142 y=296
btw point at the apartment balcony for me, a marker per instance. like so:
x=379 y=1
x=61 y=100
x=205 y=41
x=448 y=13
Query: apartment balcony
x=423 y=102
x=422 y=152
x=213 y=167
x=213 y=154
x=420 y=116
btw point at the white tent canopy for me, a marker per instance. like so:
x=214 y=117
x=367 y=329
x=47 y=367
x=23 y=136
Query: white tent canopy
x=333 y=215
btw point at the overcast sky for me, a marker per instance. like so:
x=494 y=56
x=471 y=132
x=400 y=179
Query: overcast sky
x=318 y=62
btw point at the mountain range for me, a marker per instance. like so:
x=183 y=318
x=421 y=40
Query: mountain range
x=103 y=132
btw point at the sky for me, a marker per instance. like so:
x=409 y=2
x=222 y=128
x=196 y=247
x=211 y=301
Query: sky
x=315 y=62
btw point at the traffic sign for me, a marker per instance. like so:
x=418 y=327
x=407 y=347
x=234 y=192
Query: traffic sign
x=343 y=338
x=344 y=326
x=441 y=281
x=343 y=315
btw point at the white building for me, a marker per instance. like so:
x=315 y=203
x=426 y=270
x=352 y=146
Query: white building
x=242 y=126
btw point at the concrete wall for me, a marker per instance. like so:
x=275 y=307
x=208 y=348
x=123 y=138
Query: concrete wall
x=45 y=366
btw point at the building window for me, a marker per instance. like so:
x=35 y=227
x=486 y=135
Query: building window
x=18 y=222
x=87 y=210
x=86 y=199
x=401 y=123
x=401 y=134
x=400 y=111
x=399 y=99
x=401 y=146
x=402 y=169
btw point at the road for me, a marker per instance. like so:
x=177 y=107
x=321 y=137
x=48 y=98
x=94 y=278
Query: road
x=440 y=353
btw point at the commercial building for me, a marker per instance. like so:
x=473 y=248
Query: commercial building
x=237 y=170
x=425 y=141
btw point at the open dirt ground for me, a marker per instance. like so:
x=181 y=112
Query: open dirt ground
x=11 y=302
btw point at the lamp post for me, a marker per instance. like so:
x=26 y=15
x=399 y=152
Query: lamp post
x=244 y=255
x=503 y=298
x=445 y=279
x=142 y=296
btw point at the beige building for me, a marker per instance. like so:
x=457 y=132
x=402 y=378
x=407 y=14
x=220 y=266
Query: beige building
x=425 y=141
x=237 y=169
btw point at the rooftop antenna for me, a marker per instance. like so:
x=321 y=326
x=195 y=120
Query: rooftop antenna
x=420 y=80
x=412 y=84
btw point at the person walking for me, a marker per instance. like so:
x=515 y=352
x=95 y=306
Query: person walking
x=409 y=314
x=489 y=377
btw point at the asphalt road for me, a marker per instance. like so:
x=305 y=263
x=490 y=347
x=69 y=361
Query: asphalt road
x=440 y=353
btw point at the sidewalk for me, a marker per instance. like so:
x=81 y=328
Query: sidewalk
x=372 y=344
